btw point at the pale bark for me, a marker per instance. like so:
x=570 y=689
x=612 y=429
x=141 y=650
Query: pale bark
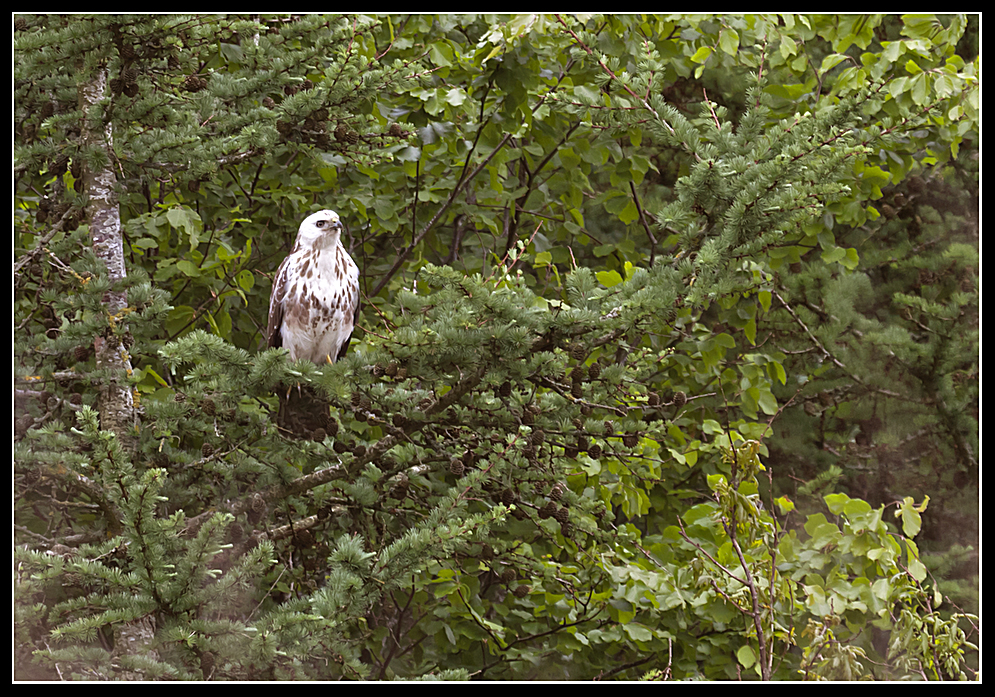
x=117 y=405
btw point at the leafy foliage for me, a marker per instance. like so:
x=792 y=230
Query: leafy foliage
x=671 y=339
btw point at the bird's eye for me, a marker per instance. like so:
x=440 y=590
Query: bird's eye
x=320 y=223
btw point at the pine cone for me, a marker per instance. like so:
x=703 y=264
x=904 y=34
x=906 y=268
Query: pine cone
x=680 y=399
x=561 y=515
x=521 y=591
x=401 y=482
x=508 y=575
x=319 y=435
x=206 y=663
x=235 y=533
x=399 y=491
x=594 y=451
x=194 y=83
x=209 y=407
x=577 y=390
x=257 y=508
x=456 y=467
x=206 y=450
x=556 y=493
x=630 y=440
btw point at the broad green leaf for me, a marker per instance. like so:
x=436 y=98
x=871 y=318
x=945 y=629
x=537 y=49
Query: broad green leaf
x=911 y=519
x=702 y=54
x=831 y=61
x=188 y=268
x=729 y=41
x=746 y=656
x=609 y=279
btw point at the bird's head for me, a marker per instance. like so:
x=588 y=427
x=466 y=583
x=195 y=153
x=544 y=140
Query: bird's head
x=320 y=230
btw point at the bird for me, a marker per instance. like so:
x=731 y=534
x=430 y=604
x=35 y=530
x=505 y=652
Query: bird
x=314 y=304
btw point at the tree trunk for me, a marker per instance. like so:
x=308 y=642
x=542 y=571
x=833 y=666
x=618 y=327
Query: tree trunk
x=117 y=404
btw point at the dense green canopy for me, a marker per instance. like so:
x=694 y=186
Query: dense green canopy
x=668 y=365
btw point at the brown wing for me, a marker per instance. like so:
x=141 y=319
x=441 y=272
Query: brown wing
x=355 y=320
x=274 y=338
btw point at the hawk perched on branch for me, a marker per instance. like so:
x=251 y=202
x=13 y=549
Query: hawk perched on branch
x=314 y=303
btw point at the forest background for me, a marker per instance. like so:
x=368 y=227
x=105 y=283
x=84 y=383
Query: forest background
x=667 y=366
